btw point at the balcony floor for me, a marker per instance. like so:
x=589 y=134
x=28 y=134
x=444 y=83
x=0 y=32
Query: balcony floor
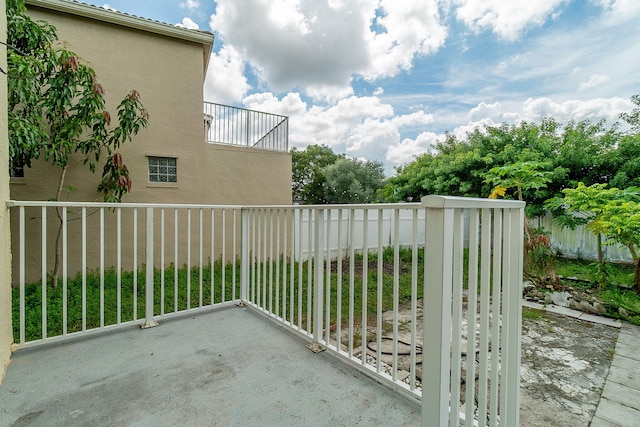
x=227 y=367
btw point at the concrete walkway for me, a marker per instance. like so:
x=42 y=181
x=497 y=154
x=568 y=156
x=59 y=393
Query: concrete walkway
x=620 y=402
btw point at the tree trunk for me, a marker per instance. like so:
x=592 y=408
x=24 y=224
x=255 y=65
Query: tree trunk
x=600 y=253
x=636 y=275
x=58 y=247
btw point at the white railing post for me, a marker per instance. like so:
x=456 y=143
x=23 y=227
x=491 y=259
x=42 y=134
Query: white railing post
x=244 y=257
x=318 y=279
x=512 y=317
x=437 y=317
x=148 y=287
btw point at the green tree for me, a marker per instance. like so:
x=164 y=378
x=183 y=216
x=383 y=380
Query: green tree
x=521 y=177
x=612 y=212
x=353 y=181
x=56 y=110
x=633 y=118
x=308 y=180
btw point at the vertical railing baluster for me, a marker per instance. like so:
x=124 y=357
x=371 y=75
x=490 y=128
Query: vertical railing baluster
x=300 y=213
x=285 y=262
x=244 y=262
x=234 y=256
x=277 y=260
x=22 y=274
x=213 y=254
x=43 y=263
x=379 y=292
x=327 y=294
x=396 y=290
x=310 y=244
x=102 y=243
x=84 y=268
x=352 y=274
x=472 y=307
x=149 y=282
x=162 y=297
x=188 y=258
x=135 y=264
x=118 y=266
x=223 y=284
x=456 y=320
x=495 y=312
x=175 y=260
x=365 y=284
x=339 y=285
x=200 y=296
x=485 y=284
x=414 y=299
x=65 y=272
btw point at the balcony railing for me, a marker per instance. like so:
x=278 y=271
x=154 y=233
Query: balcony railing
x=247 y=128
x=414 y=294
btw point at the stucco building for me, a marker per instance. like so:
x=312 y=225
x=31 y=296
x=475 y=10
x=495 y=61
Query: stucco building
x=167 y=66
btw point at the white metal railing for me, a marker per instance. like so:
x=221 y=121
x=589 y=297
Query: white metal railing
x=342 y=285
x=225 y=124
x=119 y=264
x=389 y=288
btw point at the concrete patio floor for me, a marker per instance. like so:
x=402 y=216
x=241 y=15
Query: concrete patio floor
x=228 y=367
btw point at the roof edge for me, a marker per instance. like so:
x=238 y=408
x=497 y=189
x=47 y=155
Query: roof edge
x=125 y=20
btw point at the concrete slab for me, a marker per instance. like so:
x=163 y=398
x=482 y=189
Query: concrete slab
x=600 y=319
x=228 y=367
x=624 y=371
x=620 y=402
x=599 y=422
x=620 y=393
x=618 y=415
x=629 y=343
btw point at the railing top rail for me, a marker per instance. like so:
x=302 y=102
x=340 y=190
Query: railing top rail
x=246 y=109
x=40 y=203
x=434 y=201
x=342 y=206
x=427 y=201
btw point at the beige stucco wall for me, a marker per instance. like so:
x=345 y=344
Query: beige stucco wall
x=5 y=240
x=168 y=73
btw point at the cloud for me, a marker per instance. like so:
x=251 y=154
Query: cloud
x=190 y=4
x=595 y=80
x=408 y=149
x=319 y=46
x=188 y=23
x=107 y=6
x=225 y=81
x=592 y=109
x=506 y=18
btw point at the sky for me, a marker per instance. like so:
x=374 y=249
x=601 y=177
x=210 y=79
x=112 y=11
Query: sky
x=385 y=80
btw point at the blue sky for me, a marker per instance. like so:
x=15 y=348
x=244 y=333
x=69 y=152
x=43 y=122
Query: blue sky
x=385 y=79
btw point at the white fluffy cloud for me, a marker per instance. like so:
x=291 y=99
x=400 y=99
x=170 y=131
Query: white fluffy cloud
x=319 y=46
x=188 y=23
x=225 y=81
x=190 y=4
x=506 y=18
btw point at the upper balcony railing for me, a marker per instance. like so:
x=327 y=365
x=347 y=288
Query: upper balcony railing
x=224 y=124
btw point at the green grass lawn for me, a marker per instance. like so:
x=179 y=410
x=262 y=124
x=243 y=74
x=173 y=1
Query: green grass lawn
x=178 y=297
